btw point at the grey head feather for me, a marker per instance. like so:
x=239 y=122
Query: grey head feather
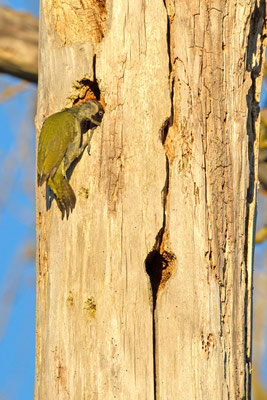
x=90 y=110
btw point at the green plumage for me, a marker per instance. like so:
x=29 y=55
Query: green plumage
x=60 y=143
x=57 y=132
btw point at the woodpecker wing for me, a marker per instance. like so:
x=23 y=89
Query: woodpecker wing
x=57 y=132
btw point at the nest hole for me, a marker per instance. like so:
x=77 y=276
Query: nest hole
x=85 y=90
x=159 y=267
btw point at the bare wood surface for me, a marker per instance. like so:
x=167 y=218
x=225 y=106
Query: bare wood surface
x=18 y=44
x=169 y=186
x=203 y=317
x=94 y=309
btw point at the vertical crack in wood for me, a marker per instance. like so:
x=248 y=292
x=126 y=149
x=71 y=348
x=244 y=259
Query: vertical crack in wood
x=159 y=266
x=160 y=262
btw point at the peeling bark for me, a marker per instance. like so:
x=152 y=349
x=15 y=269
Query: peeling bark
x=205 y=310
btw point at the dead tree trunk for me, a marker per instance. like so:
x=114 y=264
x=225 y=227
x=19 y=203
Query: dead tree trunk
x=145 y=291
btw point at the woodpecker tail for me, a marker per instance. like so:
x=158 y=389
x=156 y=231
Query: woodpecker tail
x=64 y=194
x=41 y=179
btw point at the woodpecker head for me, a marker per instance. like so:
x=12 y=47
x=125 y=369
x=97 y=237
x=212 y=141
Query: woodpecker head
x=91 y=111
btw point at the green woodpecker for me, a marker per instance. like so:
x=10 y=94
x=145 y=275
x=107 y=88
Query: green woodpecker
x=60 y=143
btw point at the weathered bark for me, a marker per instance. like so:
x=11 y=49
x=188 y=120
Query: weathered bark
x=18 y=44
x=168 y=192
x=216 y=55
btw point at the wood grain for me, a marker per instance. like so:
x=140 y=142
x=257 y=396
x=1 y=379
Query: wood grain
x=170 y=182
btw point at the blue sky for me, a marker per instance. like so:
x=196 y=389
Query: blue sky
x=17 y=273
x=31 y=6
x=17 y=234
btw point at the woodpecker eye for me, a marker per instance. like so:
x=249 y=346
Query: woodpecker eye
x=101 y=113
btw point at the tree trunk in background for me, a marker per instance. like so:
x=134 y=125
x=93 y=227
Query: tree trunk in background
x=18 y=44
x=145 y=292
